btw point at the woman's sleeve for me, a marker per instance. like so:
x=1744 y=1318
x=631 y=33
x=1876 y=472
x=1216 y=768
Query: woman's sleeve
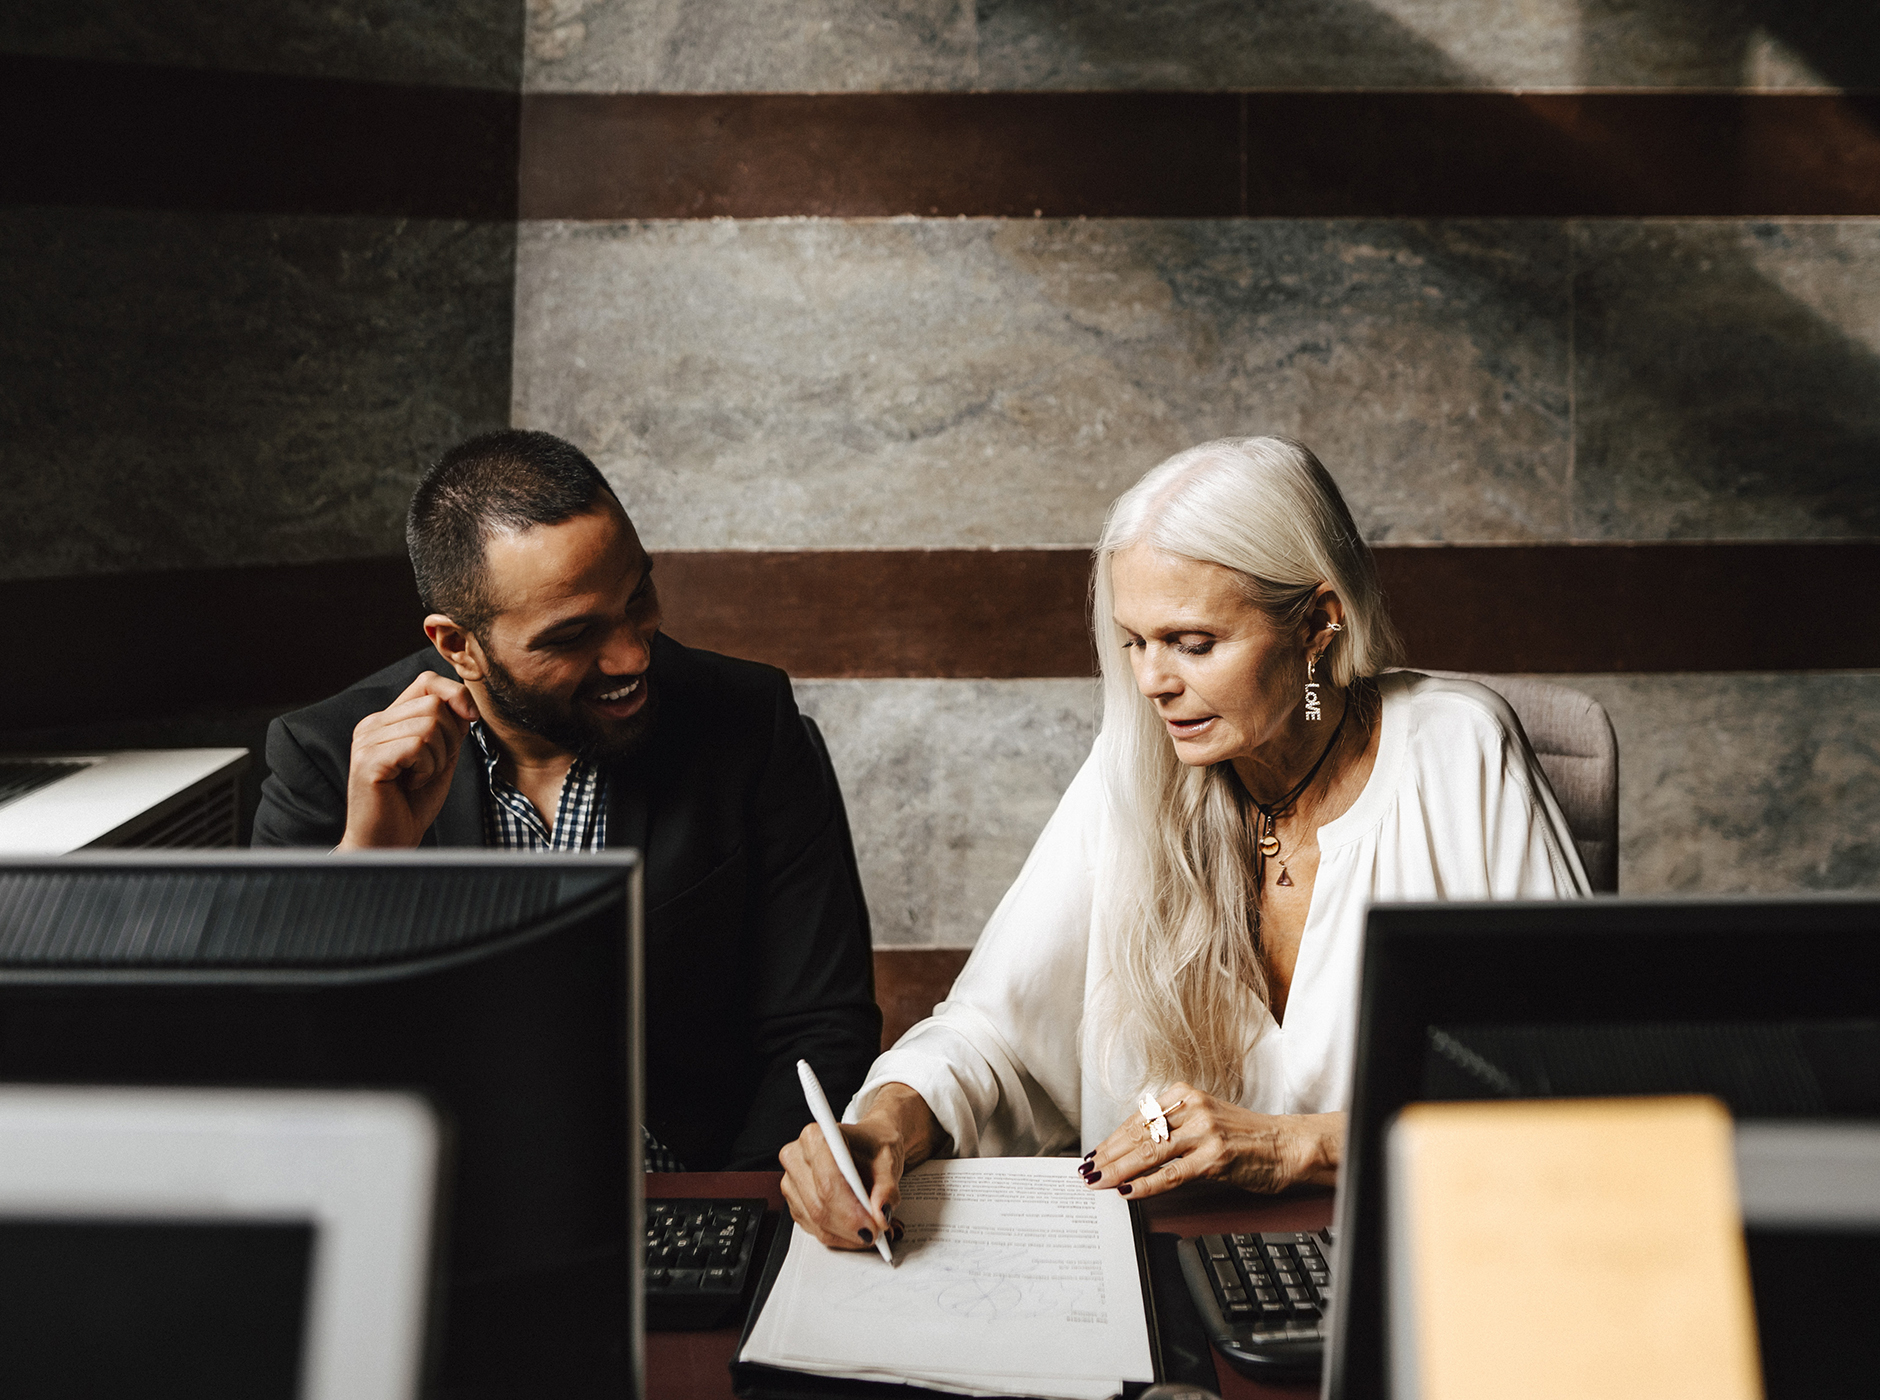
x=997 y=1062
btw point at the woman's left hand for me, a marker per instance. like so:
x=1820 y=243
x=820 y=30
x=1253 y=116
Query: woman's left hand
x=1210 y=1139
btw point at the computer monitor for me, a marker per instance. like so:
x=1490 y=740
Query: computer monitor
x=214 y=1244
x=1772 y=1005
x=505 y=989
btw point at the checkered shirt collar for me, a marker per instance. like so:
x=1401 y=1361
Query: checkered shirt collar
x=510 y=821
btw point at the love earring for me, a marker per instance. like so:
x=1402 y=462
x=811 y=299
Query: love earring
x=1312 y=688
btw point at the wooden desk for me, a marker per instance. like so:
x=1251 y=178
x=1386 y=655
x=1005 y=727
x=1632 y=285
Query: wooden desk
x=694 y=1365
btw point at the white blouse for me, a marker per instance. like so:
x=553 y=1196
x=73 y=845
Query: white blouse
x=1456 y=808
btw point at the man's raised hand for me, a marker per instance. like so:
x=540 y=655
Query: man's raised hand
x=402 y=761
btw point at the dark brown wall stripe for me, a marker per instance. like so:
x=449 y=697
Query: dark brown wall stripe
x=1546 y=608
x=120 y=646
x=908 y=981
x=131 y=136
x=1198 y=155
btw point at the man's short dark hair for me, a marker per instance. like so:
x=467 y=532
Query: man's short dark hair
x=503 y=481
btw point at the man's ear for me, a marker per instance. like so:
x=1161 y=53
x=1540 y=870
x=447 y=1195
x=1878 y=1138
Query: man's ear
x=457 y=646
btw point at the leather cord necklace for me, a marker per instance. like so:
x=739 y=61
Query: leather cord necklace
x=1269 y=840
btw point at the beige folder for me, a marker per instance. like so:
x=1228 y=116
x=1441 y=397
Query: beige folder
x=1568 y=1248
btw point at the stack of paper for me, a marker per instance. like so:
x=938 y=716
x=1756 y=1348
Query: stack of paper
x=1013 y=1278
x=1565 y=1249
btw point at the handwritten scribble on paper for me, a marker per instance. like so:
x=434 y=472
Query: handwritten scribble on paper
x=983 y=1283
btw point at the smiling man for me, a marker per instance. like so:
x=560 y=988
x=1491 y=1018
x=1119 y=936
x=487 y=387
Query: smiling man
x=549 y=712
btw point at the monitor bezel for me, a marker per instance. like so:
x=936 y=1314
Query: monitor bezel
x=1554 y=961
x=625 y=862
x=360 y=1167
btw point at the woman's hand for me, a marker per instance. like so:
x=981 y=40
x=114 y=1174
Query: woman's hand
x=1212 y=1140
x=897 y=1132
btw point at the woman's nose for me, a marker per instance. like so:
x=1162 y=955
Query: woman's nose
x=1153 y=677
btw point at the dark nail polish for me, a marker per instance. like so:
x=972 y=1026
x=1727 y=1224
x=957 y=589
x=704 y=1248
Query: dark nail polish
x=1091 y=1153
x=1094 y=1178
x=868 y=1236
x=1123 y=1190
x=1085 y=1168
x=898 y=1232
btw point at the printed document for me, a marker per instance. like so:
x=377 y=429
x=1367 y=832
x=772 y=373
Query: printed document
x=1013 y=1278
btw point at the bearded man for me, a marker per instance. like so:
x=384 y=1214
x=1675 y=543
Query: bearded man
x=549 y=712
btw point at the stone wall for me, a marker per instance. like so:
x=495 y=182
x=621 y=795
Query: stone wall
x=919 y=382
x=255 y=274
x=243 y=316
x=214 y=354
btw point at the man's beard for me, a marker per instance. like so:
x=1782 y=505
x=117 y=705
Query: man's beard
x=565 y=723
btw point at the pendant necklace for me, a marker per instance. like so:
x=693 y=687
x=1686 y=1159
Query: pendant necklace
x=1269 y=811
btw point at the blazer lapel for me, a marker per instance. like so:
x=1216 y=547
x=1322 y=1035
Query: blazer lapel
x=629 y=810
x=460 y=823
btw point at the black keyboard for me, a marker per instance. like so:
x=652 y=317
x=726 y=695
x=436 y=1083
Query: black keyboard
x=1263 y=1299
x=698 y=1259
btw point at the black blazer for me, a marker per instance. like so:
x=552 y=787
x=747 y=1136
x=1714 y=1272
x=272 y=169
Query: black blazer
x=757 y=946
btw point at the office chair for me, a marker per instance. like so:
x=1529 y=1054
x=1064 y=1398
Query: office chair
x=1572 y=736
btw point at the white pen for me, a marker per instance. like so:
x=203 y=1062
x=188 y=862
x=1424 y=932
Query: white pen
x=838 y=1145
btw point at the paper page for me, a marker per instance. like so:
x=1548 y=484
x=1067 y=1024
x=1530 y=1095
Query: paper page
x=1013 y=1277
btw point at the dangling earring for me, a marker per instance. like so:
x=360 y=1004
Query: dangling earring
x=1312 y=688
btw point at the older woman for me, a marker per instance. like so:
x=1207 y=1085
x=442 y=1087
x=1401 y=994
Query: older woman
x=1188 y=924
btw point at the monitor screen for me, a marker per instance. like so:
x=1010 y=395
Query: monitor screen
x=1772 y=1005
x=167 y=1309
x=503 y=989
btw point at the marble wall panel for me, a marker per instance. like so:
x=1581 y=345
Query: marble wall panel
x=805 y=383
x=191 y=389
x=1745 y=784
x=466 y=43
x=1729 y=784
x=749 y=45
x=1727 y=379
x=1004 y=45
x=948 y=783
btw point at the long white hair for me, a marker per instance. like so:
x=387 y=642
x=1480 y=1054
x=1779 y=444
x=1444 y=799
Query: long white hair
x=1186 y=971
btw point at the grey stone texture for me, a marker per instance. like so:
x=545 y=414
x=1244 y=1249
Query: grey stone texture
x=818 y=383
x=465 y=43
x=1743 y=783
x=948 y=783
x=748 y=45
x=895 y=383
x=1003 y=45
x=1729 y=784
x=191 y=389
x=1727 y=379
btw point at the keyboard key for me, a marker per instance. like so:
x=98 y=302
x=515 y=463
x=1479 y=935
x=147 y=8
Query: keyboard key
x=1214 y=1246
x=1298 y=1295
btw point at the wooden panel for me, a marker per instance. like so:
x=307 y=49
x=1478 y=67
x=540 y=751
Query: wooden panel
x=134 y=136
x=1199 y=155
x=656 y=156
x=126 y=645
x=909 y=982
